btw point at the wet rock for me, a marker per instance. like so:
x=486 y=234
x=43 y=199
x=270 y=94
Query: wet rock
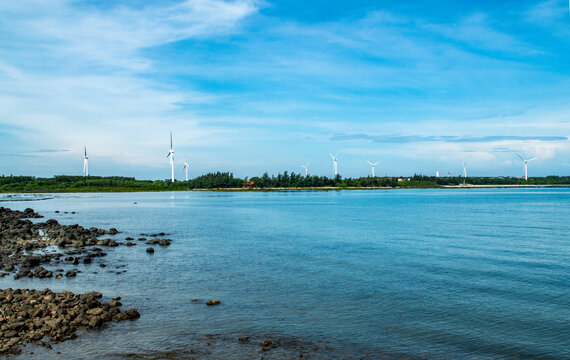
x=213 y=302
x=157 y=241
x=150 y=250
x=71 y=273
x=133 y=314
x=32 y=315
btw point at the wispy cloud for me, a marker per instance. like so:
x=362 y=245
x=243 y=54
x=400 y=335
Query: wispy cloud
x=69 y=29
x=442 y=138
x=478 y=31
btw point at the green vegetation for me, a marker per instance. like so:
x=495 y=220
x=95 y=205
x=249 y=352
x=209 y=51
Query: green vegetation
x=224 y=180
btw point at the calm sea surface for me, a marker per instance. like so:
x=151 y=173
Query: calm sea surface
x=429 y=274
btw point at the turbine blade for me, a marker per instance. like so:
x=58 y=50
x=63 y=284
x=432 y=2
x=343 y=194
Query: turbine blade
x=520 y=156
x=171 y=140
x=369 y=163
x=534 y=158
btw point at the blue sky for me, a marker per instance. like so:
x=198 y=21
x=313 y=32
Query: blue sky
x=252 y=86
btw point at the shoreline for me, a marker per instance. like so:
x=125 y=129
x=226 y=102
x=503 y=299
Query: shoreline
x=44 y=317
x=293 y=189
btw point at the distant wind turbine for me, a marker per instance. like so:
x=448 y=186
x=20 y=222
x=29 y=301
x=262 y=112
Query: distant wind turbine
x=306 y=168
x=437 y=173
x=186 y=169
x=464 y=172
x=526 y=165
x=335 y=164
x=85 y=162
x=373 y=166
x=171 y=156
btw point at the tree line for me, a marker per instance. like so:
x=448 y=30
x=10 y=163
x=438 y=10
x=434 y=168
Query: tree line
x=226 y=180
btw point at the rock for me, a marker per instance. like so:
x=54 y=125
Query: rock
x=31 y=315
x=212 y=302
x=95 y=322
x=150 y=250
x=71 y=273
x=243 y=339
x=133 y=314
x=120 y=317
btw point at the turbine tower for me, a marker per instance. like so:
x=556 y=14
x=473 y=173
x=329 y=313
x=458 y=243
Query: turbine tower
x=335 y=164
x=373 y=165
x=186 y=169
x=526 y=165
x=171 y=156
x=85 y=162
x=464 y=172
x=306 y=167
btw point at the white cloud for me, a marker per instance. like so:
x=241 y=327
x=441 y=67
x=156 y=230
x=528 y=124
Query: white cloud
x=112 y=36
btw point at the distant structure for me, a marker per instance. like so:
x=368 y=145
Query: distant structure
x=186 y=169
x=373 y=166
x=335 y=164
x=171 y=156
x=85 y=162
x=306 y=168
x=526 y=165
x=464 y=172
x=437 y=173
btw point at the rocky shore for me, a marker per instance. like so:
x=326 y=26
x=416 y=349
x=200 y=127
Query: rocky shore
x=38 y=316
x=25 y=246
x=41 y=250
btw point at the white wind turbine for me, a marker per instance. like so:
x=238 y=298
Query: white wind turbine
x=171 y=156
x=186 y=169
x=464 y=172
x=85 y=162
x=373 y=166
x=526 y=165
x=335 y=164
x=306 y=168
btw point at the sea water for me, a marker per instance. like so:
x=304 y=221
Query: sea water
x=428 y=274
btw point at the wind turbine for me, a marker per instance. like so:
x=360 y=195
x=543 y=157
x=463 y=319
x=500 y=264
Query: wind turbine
x=186 y=169
x=85 y=162
x=335 y=164
x=171 y=156
x=526 y=165
x=464 y=172
x=305 y=167
x=373 y=165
